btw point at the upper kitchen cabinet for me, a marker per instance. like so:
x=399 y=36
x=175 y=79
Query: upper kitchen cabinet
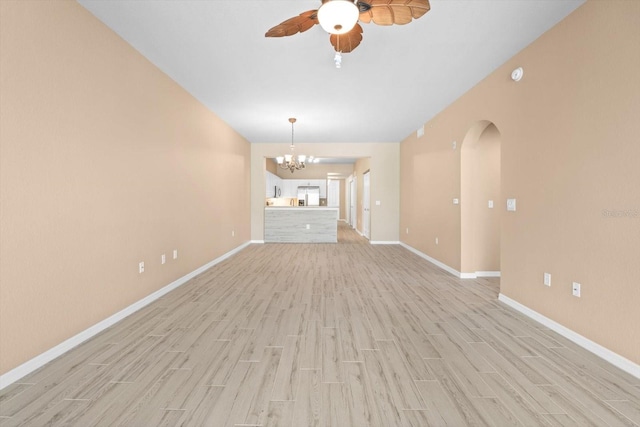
x=290 y=186
x=274 y=183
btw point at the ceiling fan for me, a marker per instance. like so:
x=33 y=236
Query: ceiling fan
x=340 y=19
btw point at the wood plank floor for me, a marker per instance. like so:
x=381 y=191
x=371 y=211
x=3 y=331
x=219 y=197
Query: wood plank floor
x=343 y=334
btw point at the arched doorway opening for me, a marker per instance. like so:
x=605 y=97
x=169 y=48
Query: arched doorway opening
x=480 y=201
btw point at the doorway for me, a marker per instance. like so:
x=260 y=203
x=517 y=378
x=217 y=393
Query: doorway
x=333 y=195
x=353 y=202
x=480 y=201
x=366 y=205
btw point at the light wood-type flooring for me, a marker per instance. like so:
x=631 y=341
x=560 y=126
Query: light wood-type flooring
x=346 y=334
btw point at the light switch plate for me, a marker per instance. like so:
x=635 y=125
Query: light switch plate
x=511 y=205
x=547 y=279
x=576 y=289
x=377 y=202
x=456 y=201
x=490 y=204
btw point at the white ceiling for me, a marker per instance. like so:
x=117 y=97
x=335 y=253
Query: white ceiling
x=396 y=80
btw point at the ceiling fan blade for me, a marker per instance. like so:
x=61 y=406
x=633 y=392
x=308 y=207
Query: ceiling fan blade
x=389 y=12
x=346 y=42
x=297 y=24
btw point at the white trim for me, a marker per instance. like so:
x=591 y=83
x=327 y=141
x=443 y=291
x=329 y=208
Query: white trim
x=383 y=242
x=487 y=274
x=257 y=241
x=358 y=231
x=479 y=274
x=432 y=260
x=54 y=352
x=595 y=348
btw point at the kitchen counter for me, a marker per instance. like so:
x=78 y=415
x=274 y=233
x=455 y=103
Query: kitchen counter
x=300 y=224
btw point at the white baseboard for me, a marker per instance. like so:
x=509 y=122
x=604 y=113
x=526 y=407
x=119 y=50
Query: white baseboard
x=479 y=274
x=257 y=241
x=447 y=268
x=595 y=348
x=487 y=274
x=44 y=358
x=434 y=261
x=383 y=242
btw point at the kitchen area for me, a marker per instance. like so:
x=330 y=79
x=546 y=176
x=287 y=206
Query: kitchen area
x=298 y=211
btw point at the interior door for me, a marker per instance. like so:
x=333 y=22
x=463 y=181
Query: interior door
x=366 y=206
x=352 y=202
x=333 y=195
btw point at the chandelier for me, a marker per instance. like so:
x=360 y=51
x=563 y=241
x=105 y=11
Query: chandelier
x=290 y=161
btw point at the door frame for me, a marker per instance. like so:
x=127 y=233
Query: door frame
x=366 y=204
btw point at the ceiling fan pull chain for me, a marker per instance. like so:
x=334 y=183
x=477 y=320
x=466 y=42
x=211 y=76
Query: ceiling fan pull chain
x=338 y=60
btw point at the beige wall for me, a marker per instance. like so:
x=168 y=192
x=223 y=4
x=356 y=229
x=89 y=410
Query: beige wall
x=385 y=163
x=480 y=183
x=105 y=162
x=569 y=155
x=272 y=166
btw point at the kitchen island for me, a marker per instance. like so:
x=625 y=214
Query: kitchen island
x=309 y=224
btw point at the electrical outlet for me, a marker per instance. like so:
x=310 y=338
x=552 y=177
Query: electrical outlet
x=175 y=254
x=141 y=267
x=547 y=279
x=163 y=259
x=511 y=205
x=233 y=233
x=407 y=230
x=456 y=201
x=490 y=204
x=308 y=226
x=576 y=289
x=436 y=240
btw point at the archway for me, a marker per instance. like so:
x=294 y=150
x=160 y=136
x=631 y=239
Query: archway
x=480 y=201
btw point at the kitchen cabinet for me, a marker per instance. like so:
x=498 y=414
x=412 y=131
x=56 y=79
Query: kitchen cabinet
x=290 y=186
x=273 y=181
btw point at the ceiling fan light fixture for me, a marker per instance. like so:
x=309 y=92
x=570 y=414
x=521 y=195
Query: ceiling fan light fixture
x=338 y=16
